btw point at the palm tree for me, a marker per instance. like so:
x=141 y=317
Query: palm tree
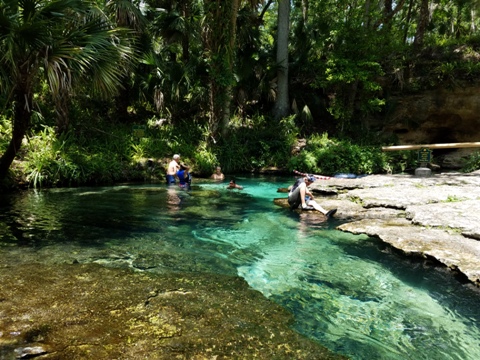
x=59 y=41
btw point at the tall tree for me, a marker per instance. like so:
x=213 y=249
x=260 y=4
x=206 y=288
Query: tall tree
x=219 y=35
x=281 y=108
x=59 y=41
x=423 y=19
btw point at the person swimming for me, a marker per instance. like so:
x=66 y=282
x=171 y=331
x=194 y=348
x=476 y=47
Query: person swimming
x=234 y=185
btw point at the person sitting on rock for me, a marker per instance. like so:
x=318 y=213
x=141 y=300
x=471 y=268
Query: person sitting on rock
x=300 y=195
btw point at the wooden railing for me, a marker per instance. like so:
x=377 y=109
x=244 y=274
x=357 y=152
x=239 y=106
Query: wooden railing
x=432 y=146
x=424 y=153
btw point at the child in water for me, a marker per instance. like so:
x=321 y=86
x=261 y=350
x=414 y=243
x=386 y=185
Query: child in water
x=184 y=176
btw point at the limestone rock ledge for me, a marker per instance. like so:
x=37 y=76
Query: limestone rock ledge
x=435 y=217
x=454 y=250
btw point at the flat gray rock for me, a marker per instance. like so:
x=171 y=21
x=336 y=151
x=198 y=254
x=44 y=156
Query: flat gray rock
x=463 y=216
x=437 y=216
x=453 y=250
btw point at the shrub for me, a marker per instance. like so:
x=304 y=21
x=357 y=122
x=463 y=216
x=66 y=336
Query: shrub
x=328 y=157
x=256 y=143
x=471 y=163
x=205 y=160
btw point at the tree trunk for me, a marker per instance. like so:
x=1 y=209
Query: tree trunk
x=305 y=6
x=225 y=119
x=473 y=27
x=423 y=18
x=407 y=21
x=281 y=108
x=221 y=45
x=21 y=123
x=186 y=36
x=62 y=110
x=122 y=101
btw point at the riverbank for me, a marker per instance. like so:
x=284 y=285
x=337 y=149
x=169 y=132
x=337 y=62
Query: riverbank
x=434 y=217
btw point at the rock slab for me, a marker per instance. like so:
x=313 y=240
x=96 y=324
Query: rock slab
x=436 y=216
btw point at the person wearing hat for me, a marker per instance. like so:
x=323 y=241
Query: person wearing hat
x=172 y=169
x=299 y=195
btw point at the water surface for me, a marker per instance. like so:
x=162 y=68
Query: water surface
x=349 y=293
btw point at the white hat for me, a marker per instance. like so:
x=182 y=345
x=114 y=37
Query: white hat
x=176 y=156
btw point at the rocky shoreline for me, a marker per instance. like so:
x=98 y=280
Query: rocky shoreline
x=433 y=217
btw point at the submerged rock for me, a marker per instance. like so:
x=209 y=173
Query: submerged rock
x=29 y=352
x=93 y=312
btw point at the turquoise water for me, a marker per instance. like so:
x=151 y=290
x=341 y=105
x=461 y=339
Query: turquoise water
x=350 y=293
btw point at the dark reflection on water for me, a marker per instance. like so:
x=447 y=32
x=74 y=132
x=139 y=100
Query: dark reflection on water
x=348 y=292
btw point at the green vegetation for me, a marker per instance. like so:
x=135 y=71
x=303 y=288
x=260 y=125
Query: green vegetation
x=472 y=163
x=326 y=156
x=106 y=153
x=453 y=198
x=77 y=75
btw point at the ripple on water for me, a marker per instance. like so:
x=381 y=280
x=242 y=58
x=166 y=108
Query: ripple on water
x=359 y=307
x=343 y=289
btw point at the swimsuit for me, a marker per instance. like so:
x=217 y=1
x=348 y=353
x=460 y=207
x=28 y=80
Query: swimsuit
x=184 y=183
x=170 y=179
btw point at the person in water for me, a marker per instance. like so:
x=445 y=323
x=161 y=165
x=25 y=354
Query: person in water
x=234 y=185
x=172 y=169
x=218 y=175
x=300 y=195
x=184 y=176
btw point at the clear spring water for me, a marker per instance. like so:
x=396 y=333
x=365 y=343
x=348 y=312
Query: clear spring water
x=350 y=293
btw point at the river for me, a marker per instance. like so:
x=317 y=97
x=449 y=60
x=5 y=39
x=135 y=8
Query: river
x=350 y=293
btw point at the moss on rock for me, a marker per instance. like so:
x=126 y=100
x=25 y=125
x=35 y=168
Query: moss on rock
x=93 y=312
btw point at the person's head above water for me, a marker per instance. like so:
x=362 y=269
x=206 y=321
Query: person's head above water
x=233 y=185
x=217 y=174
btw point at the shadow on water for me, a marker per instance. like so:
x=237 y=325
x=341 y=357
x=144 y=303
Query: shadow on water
x=350 y=293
